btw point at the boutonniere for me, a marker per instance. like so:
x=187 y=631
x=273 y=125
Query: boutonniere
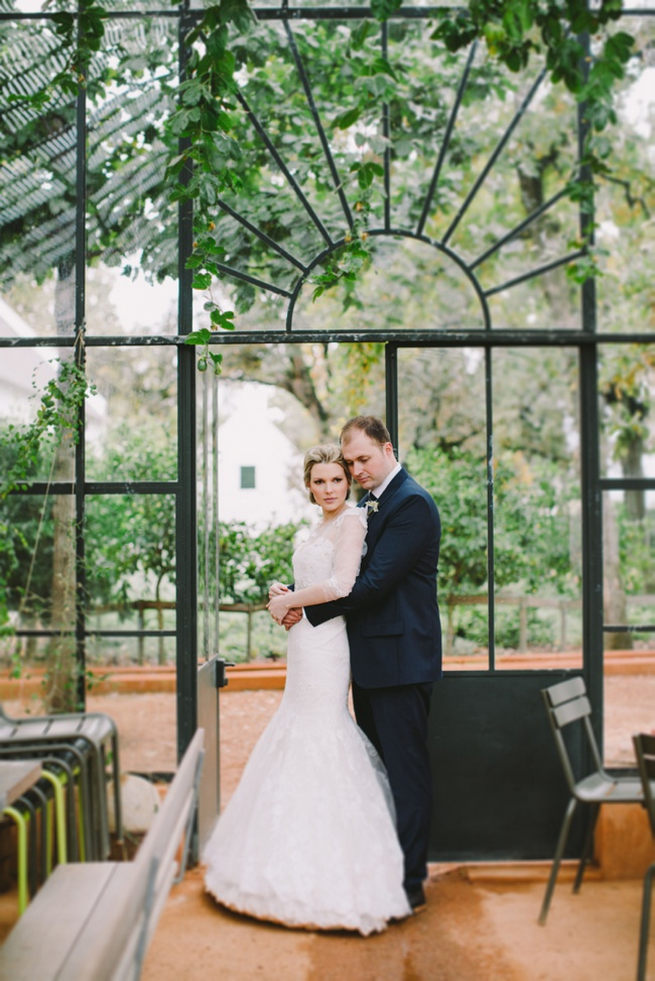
x=371 y=507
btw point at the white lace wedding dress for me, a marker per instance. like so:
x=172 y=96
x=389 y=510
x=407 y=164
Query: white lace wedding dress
x=308 y=837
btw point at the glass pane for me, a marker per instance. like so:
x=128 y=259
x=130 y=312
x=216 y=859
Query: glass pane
x=130 y=558
x=409 y=285
x=123 y=301
x=37 y=211
x=132 y=421
x=626 y=379
x=37 y=572
x=130 y=553
x=37 y=559
x=38 y=412
x=442 y=443
x=246 y=534
x=629 y=569
x=628 y=602
x=506 y=211
x=629 y=696
x=549 y=301
x=622 y=200
x=27 y=309
x=132 y=223
x=537 y=545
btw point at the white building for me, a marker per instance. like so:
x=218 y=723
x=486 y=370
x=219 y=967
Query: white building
x=20 y=367
x=260 y=469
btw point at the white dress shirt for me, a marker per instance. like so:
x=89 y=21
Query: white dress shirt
x=380 y=489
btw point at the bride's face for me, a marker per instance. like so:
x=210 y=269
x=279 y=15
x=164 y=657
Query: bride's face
x=328 y=484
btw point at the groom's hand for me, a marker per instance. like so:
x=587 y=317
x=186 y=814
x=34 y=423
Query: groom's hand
x=293 y=616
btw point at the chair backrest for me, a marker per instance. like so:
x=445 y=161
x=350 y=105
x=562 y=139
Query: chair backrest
x=567 y=703
x=644 y=744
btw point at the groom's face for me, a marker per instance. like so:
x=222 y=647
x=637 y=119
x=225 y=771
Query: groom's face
x=368 y=461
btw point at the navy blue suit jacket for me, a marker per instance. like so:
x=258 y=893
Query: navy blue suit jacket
x=392 y=613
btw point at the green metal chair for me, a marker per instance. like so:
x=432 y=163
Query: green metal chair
x=66 y=771
x=567 y=706
x=36 y=813
x=644 y=744
x=98 y=732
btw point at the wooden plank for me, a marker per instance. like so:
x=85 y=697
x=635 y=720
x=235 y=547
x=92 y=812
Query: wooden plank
x=41 y=940
x=86 y=922
x=110 y=929
x=17 y=776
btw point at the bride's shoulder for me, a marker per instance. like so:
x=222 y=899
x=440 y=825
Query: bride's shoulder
x=303 y=534
x=352 y=513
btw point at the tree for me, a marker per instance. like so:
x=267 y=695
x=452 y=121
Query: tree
x=531 y=529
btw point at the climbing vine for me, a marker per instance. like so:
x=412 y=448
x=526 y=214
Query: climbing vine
x=56 y=419
x=24 y=447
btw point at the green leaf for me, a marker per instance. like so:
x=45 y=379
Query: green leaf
x=202 y=336
x=383 y=9
x=347 y=118
x=223 y=320
x=201 y=281
x=380 y=66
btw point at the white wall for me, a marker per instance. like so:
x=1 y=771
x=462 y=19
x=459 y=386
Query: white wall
x=17 y=368
x=250 y=435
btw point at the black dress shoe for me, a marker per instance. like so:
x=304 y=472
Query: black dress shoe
x=416 y=898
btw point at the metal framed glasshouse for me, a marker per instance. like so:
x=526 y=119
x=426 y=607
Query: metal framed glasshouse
x=373 y=191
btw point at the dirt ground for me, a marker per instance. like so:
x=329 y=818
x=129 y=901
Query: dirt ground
x=148 y=741
x=474 y=928
x=470 y=931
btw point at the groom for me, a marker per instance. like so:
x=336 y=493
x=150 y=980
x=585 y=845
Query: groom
x=394 y=631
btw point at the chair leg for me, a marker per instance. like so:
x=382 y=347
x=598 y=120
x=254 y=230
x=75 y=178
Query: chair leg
x=32 y=844
x=80 y=777
x=559 y=851
x=60 y=815
x=116 y=773
x=645 y=922
x=44 y=830
x=588 y=845
x=21 y=842
x=67 y=779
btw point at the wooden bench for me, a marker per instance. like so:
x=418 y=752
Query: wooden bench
x=93 y=921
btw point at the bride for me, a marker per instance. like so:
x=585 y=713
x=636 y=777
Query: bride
x=308 y=838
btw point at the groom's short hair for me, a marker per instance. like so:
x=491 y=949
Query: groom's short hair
x=374 y=428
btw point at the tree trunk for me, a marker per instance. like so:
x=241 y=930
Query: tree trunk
x=614 y=600
x=161 y=652
x=60 y=693
x=632 y=466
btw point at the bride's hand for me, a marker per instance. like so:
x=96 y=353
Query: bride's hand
x=279 y=605
x=276 y=588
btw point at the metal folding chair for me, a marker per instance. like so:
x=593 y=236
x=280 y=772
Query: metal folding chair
x=98 y=731
x=69 y=767
x=567 y=705
x=644 y=744
x=34 y=819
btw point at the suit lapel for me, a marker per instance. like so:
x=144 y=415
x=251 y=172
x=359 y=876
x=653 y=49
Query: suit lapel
x=389 y=491
x=376 y=520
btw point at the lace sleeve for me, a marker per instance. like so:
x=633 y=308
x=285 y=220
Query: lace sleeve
x=347 y=538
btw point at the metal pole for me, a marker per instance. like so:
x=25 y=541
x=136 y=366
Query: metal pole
x=391 y=391
x=186 y=589
x=80 y=362
x=592 y=511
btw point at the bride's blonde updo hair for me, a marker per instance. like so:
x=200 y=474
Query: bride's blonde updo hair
x=325 y=453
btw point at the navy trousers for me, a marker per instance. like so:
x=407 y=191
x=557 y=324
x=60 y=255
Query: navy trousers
x=396 y=721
